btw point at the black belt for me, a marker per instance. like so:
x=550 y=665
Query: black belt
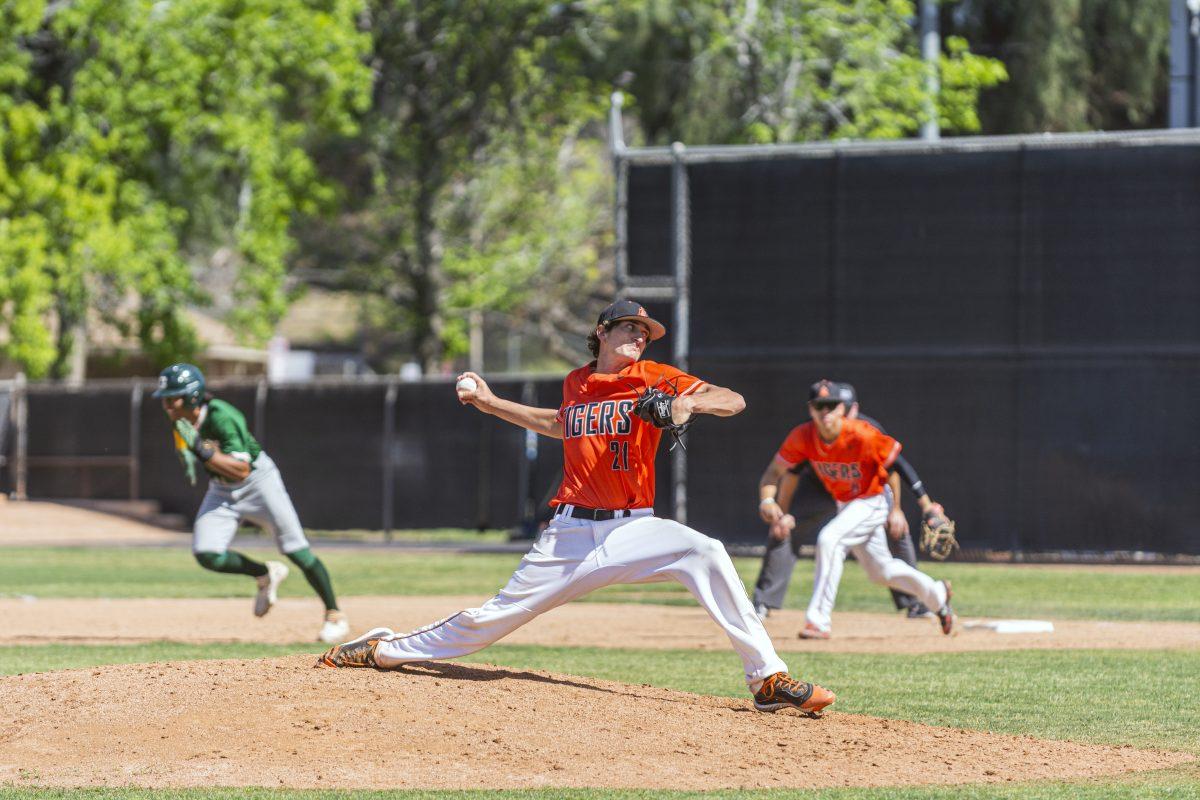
x=594 y=514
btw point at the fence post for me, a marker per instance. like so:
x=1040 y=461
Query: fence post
x=526 y=507
x=388 y=444
x=681 y=251
x=260 y=411
x=21 y=423
x=135 y=440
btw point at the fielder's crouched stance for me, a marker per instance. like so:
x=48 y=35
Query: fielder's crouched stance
x=244 y=483
x=855 y=461
x=604 y=530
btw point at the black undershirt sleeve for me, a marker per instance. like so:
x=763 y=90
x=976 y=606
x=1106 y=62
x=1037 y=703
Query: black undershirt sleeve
x=910 y=476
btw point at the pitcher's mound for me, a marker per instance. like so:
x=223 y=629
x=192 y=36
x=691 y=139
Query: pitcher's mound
x=279 y=722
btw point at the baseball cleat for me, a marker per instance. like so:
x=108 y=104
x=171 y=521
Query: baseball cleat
x=946 y=616
x=762 y=611
x=811 y=631
x=268 y=586
x=358 y=652
x=783 y=691
x=335 y=629
x=919 y=611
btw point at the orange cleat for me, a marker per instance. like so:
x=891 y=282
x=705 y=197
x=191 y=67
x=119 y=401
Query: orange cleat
x=783 y=691
x=358 y=652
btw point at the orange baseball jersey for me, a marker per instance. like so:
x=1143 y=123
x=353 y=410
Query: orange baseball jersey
x=854 y=465
x=608 y=451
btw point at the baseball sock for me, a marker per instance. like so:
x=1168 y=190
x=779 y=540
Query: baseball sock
x=316 y=575
x=231 y=561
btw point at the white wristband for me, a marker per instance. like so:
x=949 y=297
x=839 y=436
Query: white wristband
x=766 y=500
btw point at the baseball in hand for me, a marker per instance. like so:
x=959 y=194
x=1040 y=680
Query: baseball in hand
x=466 y=384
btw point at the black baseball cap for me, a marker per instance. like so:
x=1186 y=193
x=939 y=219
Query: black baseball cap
x=629 y=309
x=825 y=392
x=849 y=396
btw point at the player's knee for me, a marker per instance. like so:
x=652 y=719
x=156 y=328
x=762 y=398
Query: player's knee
x=211 y=561
x=304 y=559
x=711 y=550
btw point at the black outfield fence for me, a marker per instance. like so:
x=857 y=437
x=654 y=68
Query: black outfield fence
x=370 y=455
x=1022 y=312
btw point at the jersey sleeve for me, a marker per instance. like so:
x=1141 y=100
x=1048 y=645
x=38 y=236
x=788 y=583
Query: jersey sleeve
x=232 y=435
x=664 y=376
x=793 y=451
x=884 y=447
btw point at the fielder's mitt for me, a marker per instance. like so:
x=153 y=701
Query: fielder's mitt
x=937 y=533
x=654 y=406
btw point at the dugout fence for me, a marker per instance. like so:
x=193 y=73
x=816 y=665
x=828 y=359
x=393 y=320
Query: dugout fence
x=373 y=454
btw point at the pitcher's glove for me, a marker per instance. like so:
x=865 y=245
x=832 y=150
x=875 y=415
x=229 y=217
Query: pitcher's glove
x=654 y=406
x=937 y=533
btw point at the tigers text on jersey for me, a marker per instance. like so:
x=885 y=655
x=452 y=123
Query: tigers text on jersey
x=853 y=465
x=608 y=451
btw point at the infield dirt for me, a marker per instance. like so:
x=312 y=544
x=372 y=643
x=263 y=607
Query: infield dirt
x=29 y=621
x=282 y=723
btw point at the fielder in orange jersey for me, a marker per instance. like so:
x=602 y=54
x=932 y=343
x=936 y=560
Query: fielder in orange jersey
x=604 y=530
x=854 y=461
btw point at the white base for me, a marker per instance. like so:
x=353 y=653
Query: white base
x=1014 y=626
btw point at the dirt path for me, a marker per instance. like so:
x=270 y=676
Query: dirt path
x=279 y=722
x=576 y=624
x=30 y=523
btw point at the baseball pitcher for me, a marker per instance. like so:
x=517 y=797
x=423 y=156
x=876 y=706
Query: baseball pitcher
x=604 y=531
x=244 y=483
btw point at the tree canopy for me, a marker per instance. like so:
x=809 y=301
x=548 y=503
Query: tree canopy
x=438 y=157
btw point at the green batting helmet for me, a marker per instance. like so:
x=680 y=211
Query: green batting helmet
x=181 y=380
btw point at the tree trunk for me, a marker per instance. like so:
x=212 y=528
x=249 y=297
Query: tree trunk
x=427 y=333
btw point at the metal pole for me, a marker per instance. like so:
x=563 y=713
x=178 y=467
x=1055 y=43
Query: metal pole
x=1193 y=63
x=681 y=247
x=525 y=503
x=389 y=466
x=621 y=180
x=931 y=49
x=135 y=440
x=260 y=411
x=475 y=340
x=21 y=422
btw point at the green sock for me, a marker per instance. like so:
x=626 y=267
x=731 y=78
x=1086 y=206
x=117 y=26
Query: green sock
x=232 y=562
x=316 y=575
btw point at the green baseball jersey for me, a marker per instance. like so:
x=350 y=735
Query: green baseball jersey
x=226 y=426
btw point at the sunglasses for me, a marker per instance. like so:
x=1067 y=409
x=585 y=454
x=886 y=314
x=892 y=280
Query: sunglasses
x=825 y=405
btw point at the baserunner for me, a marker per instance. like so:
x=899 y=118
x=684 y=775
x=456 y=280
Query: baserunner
x=244 y=484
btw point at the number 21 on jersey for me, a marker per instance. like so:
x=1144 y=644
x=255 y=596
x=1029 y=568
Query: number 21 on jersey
x=620 y=451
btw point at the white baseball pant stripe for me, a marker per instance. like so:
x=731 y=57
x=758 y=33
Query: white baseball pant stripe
x=859 y=528
x=573 y=557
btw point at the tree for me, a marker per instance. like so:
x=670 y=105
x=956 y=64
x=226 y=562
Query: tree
x=166 y=132
x=1074 y=64
x=455 y=85
x=787 y=70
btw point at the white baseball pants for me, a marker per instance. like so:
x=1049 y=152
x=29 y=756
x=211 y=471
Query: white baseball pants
x=573 y=557
x=260 y=498
x=859 y=528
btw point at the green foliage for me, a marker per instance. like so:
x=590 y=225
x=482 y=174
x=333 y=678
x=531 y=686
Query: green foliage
x=138 y=137
x=788 y=70
x=471 y=102
x=1074 y=64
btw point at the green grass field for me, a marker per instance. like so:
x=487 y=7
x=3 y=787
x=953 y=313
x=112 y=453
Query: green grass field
x=1148 y=698
x=982 y=589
